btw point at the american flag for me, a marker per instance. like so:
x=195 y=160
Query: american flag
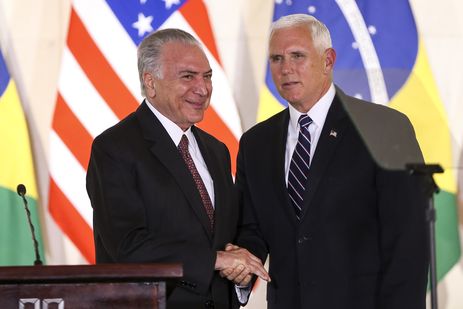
x=99 y=85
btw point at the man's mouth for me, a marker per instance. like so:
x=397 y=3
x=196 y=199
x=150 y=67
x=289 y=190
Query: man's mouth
x=291 y=84
x=196 y=105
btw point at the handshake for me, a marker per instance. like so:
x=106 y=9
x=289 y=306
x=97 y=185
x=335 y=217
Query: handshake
x=238 y=265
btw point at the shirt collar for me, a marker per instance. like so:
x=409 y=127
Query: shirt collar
x=317 y=113
x=174 y=131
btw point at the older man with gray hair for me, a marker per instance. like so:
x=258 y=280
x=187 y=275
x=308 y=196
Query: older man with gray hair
x=161 y=188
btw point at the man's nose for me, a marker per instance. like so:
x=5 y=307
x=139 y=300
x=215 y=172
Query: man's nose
x=286 y=66
x=202 y=87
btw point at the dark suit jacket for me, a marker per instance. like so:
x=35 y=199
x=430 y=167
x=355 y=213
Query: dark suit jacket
x=361 y=242
x=146 y=207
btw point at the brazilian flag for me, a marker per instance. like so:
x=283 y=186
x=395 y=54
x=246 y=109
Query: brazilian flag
x=16 y=166
x=381 y=58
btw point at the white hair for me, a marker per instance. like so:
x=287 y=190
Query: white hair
x=320 y=34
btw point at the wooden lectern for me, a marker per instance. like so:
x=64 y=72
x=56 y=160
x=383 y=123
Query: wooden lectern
x=86 y=286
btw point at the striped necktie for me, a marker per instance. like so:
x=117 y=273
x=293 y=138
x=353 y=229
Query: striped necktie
x=299 y=166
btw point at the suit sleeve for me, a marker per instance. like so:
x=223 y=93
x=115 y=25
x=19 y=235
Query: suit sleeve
x=120 y=223
x=249 y=234
x=403 y=238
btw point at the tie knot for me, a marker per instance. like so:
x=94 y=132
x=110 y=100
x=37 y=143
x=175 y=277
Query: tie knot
x=183 y=145
x=304 y=121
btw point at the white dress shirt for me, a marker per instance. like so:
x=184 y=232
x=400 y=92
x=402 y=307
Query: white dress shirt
x=175 y=133
x=318 y=114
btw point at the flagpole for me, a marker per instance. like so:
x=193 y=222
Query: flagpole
x=431 y=218
x=430 y=187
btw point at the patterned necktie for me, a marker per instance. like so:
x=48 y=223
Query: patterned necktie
x=183 y=148
x=299 y=167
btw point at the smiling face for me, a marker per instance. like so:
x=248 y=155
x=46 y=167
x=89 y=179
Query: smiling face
x=183 y=91
x=301 y=73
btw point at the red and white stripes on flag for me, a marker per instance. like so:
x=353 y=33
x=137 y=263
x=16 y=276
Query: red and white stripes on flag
x=98 y=86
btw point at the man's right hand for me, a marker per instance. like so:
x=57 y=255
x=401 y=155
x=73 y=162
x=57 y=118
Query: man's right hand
x=238 y=265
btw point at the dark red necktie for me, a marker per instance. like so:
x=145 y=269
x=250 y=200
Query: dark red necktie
x=183 y=148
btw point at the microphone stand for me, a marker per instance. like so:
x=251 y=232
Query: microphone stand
x=430 y=187
x=21 y=189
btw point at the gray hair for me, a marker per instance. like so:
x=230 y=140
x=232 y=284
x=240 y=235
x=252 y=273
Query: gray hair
x=320 y=34
x=150 y=50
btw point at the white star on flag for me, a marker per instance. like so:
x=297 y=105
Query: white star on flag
x=143 y=24
x=169 y=3
x=312 y=9
x=143 y=1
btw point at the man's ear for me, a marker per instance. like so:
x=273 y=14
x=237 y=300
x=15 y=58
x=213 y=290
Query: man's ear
x=148 y=81
x=330 y=58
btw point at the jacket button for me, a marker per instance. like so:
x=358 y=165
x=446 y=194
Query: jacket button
x=209 y=304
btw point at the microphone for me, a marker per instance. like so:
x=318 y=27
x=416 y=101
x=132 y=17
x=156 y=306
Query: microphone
x=21 y=189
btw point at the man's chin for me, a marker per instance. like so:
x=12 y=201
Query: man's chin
x=196 y=118
x=289 y=95
x=291 y=99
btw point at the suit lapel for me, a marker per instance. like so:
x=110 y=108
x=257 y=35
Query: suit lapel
x=332 y=133
x=167 y=153
x=279 y=180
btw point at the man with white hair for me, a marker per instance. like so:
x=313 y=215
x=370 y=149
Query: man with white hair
x=341 y=231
